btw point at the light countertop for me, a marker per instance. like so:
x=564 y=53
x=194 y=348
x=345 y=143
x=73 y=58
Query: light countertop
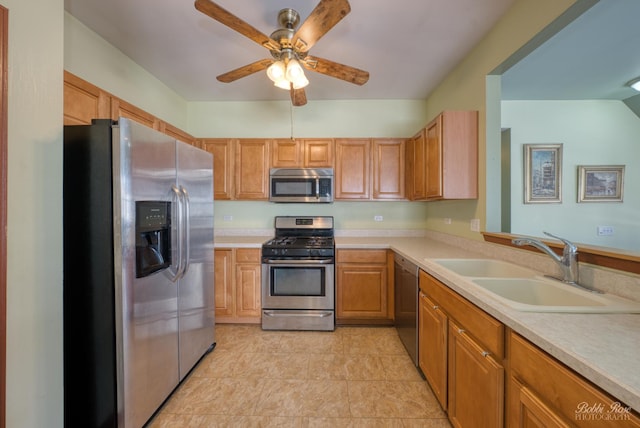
x=604 y=348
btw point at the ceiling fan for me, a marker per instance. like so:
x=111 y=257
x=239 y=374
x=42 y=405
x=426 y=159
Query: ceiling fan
x=290 y=47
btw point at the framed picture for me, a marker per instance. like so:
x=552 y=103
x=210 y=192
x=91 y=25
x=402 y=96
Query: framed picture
x=542 y=173
x=601 y=183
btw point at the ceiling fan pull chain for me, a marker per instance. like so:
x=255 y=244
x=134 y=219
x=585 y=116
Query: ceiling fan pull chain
x=291 y=115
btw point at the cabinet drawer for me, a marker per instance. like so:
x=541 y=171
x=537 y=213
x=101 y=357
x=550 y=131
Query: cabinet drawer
x=486 y=329
x=362 y=256
x=247 y=255
x=560 y=387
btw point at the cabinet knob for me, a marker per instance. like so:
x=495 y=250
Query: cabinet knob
x=436 y=307
x=461 y=330
x=485 y=353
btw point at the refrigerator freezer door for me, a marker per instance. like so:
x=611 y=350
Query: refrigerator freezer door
x=196 y=304
x=146 y=312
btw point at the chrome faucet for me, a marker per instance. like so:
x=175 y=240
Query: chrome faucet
x=568 y=262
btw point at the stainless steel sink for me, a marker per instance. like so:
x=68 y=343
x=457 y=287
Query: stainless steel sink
x=547 y=295
x=485 y=268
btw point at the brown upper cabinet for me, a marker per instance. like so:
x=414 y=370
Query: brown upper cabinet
x=223 y=153
x=452 y=156
x=120 y=108
x=370 y=169
x=353 y=169
x=388 y=169
x=416 y=167
x=84 y=101
x=252 y=169
x=306 y=153
x=176 y=133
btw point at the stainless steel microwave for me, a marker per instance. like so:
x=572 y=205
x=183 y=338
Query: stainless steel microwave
x=301 y=185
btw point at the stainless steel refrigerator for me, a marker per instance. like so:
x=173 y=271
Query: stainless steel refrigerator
x=138 y=270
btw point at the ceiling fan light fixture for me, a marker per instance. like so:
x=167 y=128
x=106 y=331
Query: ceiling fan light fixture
x=283 y=75
x=276 y=71
x=300 y=82
x=282 y=84
x=635 y=84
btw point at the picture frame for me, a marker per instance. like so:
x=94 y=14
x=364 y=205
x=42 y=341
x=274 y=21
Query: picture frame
x=600 y=183
x=542 y=173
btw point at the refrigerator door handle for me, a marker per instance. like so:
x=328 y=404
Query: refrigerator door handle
x=187 y=231
x=176 y=273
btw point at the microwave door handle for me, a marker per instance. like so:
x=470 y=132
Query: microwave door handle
x=317 y=187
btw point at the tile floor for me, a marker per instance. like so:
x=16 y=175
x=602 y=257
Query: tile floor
x=353 y=377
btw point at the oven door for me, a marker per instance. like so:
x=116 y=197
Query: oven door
x=298 y=284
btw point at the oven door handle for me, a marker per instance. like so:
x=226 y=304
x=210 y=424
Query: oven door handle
x=298 y=262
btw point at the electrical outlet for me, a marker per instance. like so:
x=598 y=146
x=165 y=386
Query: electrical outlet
x=378 y=218
x=227 y=217
x=447 y=220
x=605 y=230
x=475 y=225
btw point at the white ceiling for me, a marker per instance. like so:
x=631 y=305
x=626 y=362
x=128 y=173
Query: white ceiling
x=408 y=46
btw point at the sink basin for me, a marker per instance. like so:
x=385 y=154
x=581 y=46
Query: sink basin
x=544 y=295
x=485 y=268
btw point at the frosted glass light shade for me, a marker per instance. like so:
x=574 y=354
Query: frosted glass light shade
x=276 y=71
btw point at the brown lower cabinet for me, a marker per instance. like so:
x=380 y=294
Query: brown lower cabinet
x=542 y=392
x=461 y=354
x=363 y=291
x=485 y=375
x=237 y=285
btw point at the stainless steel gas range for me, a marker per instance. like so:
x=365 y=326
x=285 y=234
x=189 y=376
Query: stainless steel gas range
x=298 y=275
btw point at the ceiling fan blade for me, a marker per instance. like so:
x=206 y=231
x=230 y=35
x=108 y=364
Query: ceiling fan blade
x=298 y=97
x=244 y=71
x=333 y=69
x=326 y=14
x=230 y=20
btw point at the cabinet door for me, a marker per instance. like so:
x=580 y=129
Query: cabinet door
x=353 y=165
x=362 y=291
x=416 y=167
x=84 y=101
x=559 y=391
x=248 y=290
x=120 y=108
x=223 y=160
x=432 y=354
x=223 y=263
x=176 y=133
x=252 y=169
x=476 y=383
x=433 y=140
x=248 y=275
x=318 y=153
x=388 y=169
x=286 y=154
x=530 y=411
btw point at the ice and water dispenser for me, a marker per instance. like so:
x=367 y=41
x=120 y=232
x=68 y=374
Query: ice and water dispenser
x=153 y=237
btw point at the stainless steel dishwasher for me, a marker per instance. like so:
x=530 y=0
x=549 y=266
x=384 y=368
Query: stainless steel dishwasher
x=406 y=304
